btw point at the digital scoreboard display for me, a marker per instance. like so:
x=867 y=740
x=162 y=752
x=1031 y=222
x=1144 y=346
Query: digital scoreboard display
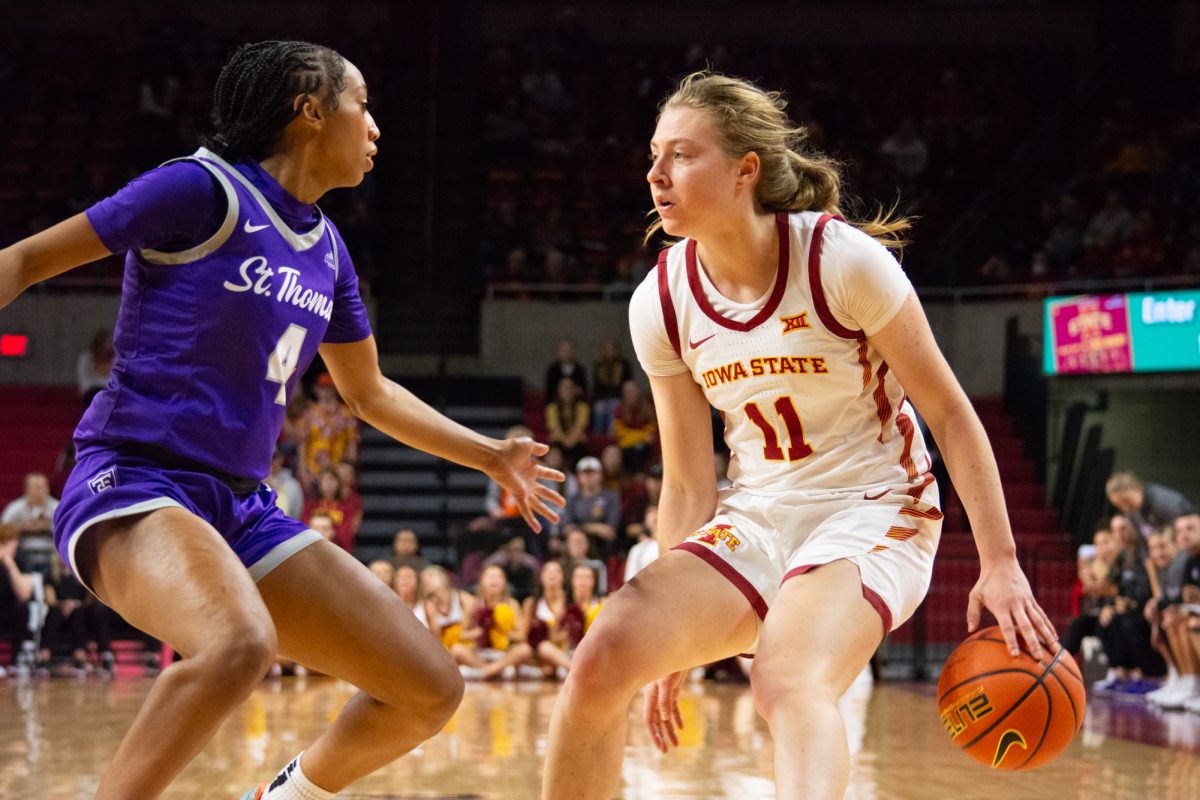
x=1135 y=332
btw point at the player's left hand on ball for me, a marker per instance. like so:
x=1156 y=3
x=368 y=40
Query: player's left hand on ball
x=1004 y=590
x=518 y=470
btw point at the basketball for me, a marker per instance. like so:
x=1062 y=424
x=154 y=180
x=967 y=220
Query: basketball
x=1009 y=712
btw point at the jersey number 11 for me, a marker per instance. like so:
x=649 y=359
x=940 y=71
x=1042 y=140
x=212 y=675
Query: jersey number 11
x=797 y=447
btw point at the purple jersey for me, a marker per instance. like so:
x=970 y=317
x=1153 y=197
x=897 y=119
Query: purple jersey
x=213 y=334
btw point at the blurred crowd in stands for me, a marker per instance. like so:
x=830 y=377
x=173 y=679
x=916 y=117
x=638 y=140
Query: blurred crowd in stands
x=1138 y=596
x=564 y=125
x=1124 y=209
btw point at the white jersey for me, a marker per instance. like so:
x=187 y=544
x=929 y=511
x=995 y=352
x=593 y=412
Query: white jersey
x=809 y=405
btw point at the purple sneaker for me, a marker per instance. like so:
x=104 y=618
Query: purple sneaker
x=1139 y=686
x=1110 y=686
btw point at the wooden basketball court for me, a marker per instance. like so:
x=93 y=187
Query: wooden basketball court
x=55 y=737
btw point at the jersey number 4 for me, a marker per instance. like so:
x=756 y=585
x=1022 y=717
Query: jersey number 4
x=797 y=447
x=281 y=364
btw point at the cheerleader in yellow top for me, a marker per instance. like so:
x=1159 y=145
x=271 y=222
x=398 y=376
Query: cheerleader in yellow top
x=444 y=608
x=544 y=612
x=585 y=605
x=495 y=639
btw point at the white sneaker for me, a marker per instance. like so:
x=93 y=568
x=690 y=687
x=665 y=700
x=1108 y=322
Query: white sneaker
x=1192 y=704
x=528 y=672
x=1187 y=687
x=1168 y=688
x=470 y=673
x=3 y=673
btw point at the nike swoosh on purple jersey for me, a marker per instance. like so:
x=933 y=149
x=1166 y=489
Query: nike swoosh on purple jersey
x=694 y=345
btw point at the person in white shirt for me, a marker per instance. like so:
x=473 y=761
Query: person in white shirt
x=646 y=549
x=32 y=512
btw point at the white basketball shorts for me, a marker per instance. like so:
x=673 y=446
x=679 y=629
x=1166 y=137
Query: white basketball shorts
x=760 y=541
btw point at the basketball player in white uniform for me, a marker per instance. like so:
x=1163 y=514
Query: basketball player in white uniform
x=805 y=333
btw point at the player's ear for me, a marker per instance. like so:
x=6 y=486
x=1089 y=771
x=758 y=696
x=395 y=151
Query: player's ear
x=749 y=166
x=307 y=107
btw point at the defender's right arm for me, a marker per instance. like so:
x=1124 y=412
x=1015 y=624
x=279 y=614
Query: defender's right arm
x=52 y=252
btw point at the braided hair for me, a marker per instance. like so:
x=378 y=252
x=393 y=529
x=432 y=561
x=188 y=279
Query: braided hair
x=255 y=94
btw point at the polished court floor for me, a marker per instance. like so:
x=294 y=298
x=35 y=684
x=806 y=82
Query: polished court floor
x=55 y=737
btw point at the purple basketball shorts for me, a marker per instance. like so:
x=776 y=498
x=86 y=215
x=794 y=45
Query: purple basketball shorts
x=108 y=483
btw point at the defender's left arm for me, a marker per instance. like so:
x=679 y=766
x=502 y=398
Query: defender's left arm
x=402 y=415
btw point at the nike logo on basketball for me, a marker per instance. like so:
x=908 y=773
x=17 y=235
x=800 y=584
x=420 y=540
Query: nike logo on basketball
x=248 y=228
x=694 y=345
x=1007 y=740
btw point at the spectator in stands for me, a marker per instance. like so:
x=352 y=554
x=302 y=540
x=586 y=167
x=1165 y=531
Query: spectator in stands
x=593 y=509
x=612 y=469
x=609 y=374
x=16 y=588
x=520 y=567
x=445 y=607
x=1110 y=225
x=544 y=612
x=503 y=520
x=1124 y=631
x=80 y=624
x=585 y=604
x=33 y=512
x=351 y=499
x=577 y=551
x=1064 y=236
x=406 y=550
x=1147 y=505
x=33 y=515
x=1094 y=571
x=565 y=366
x=646 y=549
x=406 y=584
x=1165 y=612
x=94 y=364
x=907 y=153
x=644 y=494
x=329 y=433
x=635 y=427
x=493 y=643
x=382 y=568
x=554 y=459
x=288 y=492
x=330 y=500
x=322 y=523
x=1191 y=599
x=567 y=421
x=293 y=433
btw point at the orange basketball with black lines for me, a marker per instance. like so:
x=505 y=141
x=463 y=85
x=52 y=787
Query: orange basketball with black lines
x=1009 y=712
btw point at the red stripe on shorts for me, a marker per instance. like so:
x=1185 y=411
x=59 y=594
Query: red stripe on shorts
x=732 y=575
x=869 y=594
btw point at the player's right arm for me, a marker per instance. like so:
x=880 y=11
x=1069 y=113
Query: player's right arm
x=69 y=244
x=173 y=206
x=689 y=490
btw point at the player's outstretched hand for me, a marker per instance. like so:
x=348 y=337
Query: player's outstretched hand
x=661 y=711
x=517 y=470
x=1003 y=590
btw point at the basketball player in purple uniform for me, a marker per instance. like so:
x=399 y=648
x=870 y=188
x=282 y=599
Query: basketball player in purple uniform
x=233 y=282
